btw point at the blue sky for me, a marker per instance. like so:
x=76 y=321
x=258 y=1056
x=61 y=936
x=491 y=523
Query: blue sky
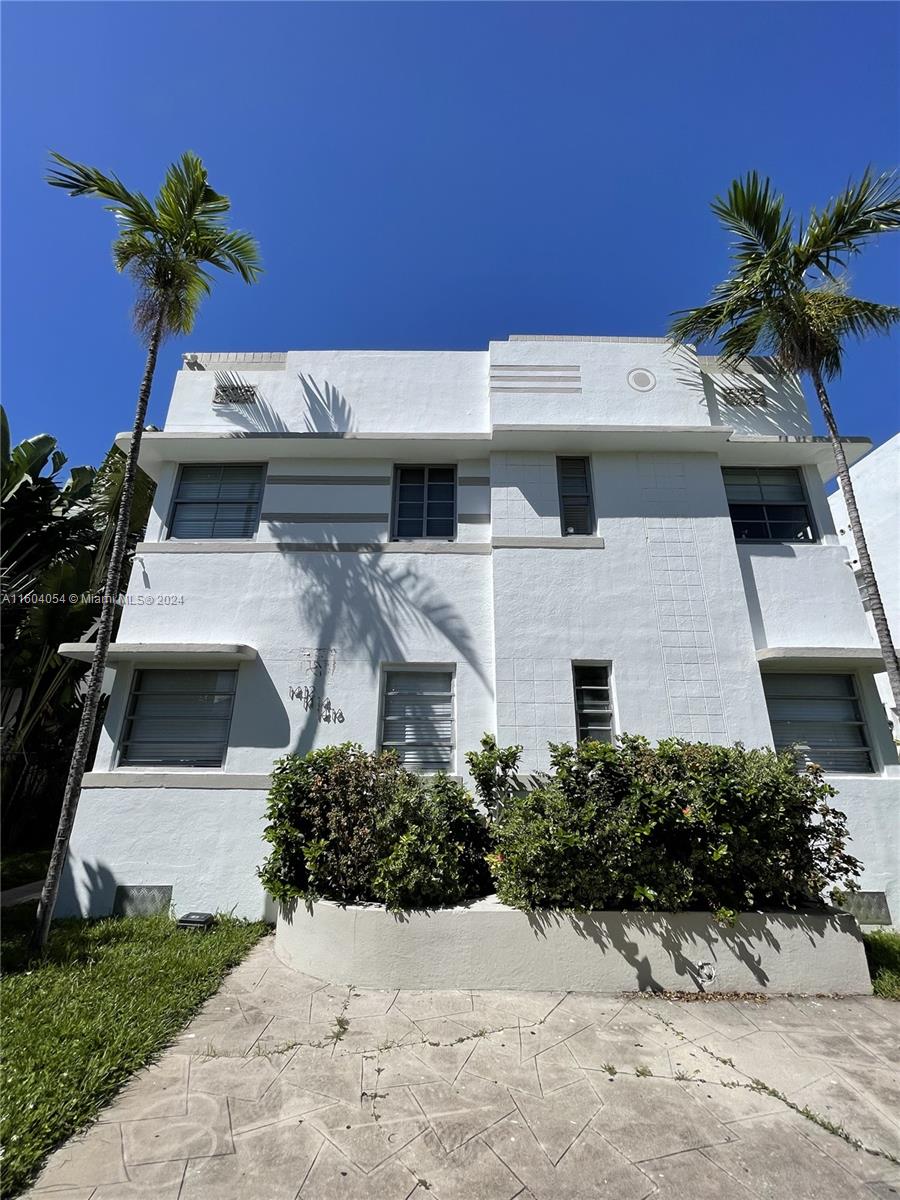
x=424 y=175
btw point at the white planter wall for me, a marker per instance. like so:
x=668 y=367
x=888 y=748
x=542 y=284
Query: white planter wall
x=487 y=945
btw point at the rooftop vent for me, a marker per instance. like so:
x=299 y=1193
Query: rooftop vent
x=232 y=389
x=746 y=394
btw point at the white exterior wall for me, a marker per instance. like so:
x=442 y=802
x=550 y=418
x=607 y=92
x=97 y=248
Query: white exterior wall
x=342 y=391
x=660 y=591
x=876 y=484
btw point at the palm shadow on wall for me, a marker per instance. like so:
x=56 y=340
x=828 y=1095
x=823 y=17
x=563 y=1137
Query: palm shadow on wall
x=782 y=399
x=368 y=601
x=328 y=411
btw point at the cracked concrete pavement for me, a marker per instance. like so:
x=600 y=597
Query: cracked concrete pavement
x=286 y=1088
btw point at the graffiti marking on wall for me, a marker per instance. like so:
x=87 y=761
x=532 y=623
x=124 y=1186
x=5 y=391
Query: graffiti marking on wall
x=321 y=706
x=319 y=661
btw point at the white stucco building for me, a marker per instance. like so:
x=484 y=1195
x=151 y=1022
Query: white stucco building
x=557 y=535
x=876 y=483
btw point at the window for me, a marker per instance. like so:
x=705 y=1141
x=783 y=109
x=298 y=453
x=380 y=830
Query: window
x=178 y=718
x=575 y=504
x=418 y=718
x=768 y=505
x=821 y=715
x=593 y=707
x=863 y=590
x=217 y=501
x=425 y=502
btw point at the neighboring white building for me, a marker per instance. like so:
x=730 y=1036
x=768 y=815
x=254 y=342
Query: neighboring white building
x=876 y=483
x=557 y=535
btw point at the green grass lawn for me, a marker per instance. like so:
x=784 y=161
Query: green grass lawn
x=883 y=953
x=16 y=869
x=106 y=999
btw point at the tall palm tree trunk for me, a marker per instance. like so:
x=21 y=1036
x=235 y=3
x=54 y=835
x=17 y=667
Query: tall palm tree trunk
x=77 y=768
x=870 y=584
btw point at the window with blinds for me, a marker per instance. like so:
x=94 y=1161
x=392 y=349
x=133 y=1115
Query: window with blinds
x=217 y=501
x=819 y=715
x=178 y=718
x=425 y=502
x=593 y=704
x=418 y=718
x=768 y=505
x=576 y=505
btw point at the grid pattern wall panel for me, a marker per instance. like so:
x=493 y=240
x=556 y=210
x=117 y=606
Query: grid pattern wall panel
x=535 y=705
x=524 y=495
x=690 y=666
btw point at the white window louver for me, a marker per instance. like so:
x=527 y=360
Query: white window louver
x=418 y=718
x=178 y=718
x=593 y=703
x=819 y=715
x=217 y=501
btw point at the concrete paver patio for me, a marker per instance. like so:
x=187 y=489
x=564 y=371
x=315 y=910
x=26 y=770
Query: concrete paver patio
x=285 y=1088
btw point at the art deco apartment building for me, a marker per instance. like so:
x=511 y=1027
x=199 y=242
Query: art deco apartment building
x=556 y=537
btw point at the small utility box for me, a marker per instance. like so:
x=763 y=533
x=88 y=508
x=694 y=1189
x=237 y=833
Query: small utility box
x=200 y=921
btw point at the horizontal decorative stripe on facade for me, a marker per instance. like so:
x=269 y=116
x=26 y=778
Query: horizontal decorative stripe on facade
x=535 y=378
x=336 y=480
x=305 y=518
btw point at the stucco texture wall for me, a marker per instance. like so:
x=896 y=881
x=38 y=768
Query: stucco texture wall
x=205 y=845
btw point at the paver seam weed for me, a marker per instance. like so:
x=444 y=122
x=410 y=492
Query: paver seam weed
x=762 y=1088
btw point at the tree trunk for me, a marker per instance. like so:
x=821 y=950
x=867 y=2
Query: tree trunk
x=870 y=584
x=78 y=765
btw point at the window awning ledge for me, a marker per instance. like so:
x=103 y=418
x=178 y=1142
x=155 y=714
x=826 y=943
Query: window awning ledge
x=173 y=654
x=826 y=657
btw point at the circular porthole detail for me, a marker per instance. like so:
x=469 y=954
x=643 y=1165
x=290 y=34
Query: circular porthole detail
x=641 y=380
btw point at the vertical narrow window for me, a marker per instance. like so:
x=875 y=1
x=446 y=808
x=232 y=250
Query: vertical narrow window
x=178 y=718
x=418 y=718
x=217 y=501
x=819 y=715
x=593 y=704
x=768 y=505
x=425 y=502
x=575 y=501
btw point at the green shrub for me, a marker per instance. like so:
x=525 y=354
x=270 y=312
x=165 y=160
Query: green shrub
x=352 y=826
x=883 y=953
x=322 y=815
x=678 y=826
x=493 y=770
x=435 y=846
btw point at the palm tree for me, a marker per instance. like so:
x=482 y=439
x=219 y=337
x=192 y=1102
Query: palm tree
x=787 y=295
x=166 y=246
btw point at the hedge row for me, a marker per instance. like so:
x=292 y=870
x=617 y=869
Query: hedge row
x=670 y=827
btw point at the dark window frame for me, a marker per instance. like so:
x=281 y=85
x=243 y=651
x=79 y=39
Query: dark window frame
x=763 y=504
x=589 y=481
x=395 y=502
x=174 y=502
x=860 y=722
x=582 y=713
x=122 y=758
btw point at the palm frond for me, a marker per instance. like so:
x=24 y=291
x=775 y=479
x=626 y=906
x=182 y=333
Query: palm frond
x=861 y=211
x=752 y=209
x=231 y=250
x=770 y=303
x=133 y=209
x=167 y=245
